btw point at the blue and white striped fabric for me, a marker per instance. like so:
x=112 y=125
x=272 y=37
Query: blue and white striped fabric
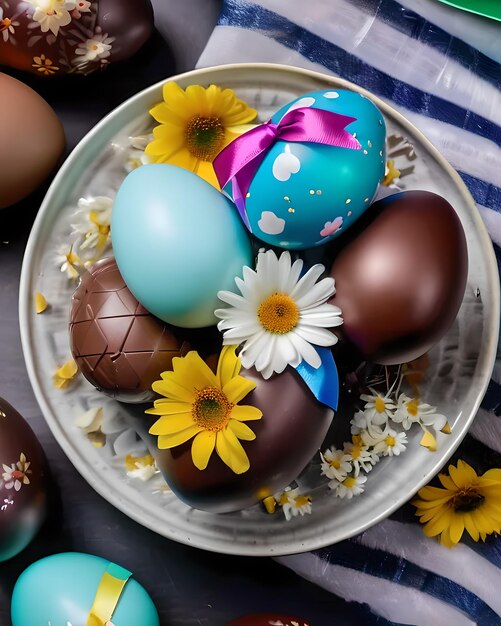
x=442 y=69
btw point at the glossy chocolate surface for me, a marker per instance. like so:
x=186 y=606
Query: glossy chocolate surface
x=118 y=345
x=400 y=275
x=288 y=435
x=23 y=483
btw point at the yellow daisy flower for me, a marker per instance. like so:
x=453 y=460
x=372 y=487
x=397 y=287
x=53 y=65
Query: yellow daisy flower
x=467 y=501
x=204 y=406
x=195 y=125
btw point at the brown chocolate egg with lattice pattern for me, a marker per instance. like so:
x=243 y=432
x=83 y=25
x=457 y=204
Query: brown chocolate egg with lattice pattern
x=119 y=346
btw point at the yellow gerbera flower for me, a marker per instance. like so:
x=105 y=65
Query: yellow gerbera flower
x=202 y=405
x=467 y=501
x=195 y=125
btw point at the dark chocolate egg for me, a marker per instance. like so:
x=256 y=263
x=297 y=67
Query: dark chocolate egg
x=400 y=276
x=288 y=435
x=268 y=619
x=55 y=37
x=23 y=483
x=117 y=344
x=32 y=139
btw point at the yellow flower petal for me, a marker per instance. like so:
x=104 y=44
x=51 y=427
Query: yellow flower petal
x=493 y=474
x=170 y=424
x=171 y=388
x=445 y=539
x=237 y=388
x=463 y=474
x=438 y=525
x=231 y=452
x=470 y=527
x=241 y=430
x=431 y=493
x=428 y=441
x=246 y=413
x=171 y=441
x=456 y=528
x=68 y=370
x=228 y=366
x=40 y=302
x=164 y=406
x=202 y=448
x=133 y=462
x=205 y=170
x=447 y=482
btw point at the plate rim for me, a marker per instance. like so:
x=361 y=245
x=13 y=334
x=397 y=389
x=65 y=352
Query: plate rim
x=25 y=315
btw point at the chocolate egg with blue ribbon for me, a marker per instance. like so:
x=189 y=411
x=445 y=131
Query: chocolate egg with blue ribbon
x=80 y=589
x=305 y=193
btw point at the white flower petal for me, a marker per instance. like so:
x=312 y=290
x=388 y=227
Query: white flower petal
x=306 y=350
x=317 y=294
x=317 y=336
x=234 y=300
x=305 y=283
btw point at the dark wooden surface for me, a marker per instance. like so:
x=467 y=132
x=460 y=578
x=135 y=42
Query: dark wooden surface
x=189 y=586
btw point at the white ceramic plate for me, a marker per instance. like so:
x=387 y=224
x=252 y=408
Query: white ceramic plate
x=460 y=365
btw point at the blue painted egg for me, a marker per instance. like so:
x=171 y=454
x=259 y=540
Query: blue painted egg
x=177 y=242
x=61 y=590
x=305 y=194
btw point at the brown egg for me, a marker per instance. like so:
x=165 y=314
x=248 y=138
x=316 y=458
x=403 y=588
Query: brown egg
x=23 y=483
x=288 y=435
x=80 y=37
x=400 y=275
x=32 y=140
x=268 y=619
x=118 y=345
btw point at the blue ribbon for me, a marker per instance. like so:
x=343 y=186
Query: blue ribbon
x=324 y=381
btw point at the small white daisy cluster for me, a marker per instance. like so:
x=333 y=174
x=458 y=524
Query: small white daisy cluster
x=378 y=430
x=91 y=236
x=292 y=502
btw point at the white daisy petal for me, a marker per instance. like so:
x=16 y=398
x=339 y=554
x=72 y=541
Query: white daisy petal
x=295 y=273
x=306 y=350
x=316 y=294
x=234 y=300
x=304 y=285
x=317 y=336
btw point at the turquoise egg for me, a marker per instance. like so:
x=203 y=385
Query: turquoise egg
x=60 y=590
x=177 y=242
x=306 y=194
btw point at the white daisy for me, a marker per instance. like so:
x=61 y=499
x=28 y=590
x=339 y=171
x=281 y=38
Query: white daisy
x=279 y=315
x=95 y=227
x=16 y=475
x=97 y=48
x=335 y=464
x=140 y=467
x=52 y=14
x=392 y=445
x=69 y=261
x=361 y=457
x=293 y=503
x=373 y=437
x=351 y=486
x=362 y=425
x=378 y=408
x=411 y=411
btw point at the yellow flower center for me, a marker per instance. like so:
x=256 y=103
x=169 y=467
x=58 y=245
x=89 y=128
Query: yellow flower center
x=278 y=314
x=211 y=409
x=6 y=22
x=355 y=453
x=301 y=501
x=356 y=439
x=335 y=463
x=379 y=404
x=390 y=441
x=412 y=408
x=467 y=499
x=205 y=137
x=350 y=482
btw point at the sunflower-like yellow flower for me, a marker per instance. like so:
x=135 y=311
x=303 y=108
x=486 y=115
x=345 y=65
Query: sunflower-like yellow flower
x=204 y=406
x=467 y=501
x=195 y=125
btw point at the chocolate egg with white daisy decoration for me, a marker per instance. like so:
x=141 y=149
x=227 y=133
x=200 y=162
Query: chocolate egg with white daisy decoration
x=400 y=276
x=177 y=242
x=308 y=190
x=51 y=38
x=23 y=483
x=277 y=446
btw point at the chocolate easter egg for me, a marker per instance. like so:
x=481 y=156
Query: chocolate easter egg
x=288 y=435
x=55 y=37
x=306 y=193
x=400 y=276
x=75 y=588
x=31 y=147
x=117 y=344
x=183 y=246
x=23 y=483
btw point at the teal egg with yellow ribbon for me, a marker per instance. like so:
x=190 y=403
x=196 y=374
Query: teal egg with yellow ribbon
x=311 y=183
x=177 y=242
x=80 y=589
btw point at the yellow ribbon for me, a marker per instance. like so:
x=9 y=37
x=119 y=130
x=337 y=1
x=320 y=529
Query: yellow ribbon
x=108 y=595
